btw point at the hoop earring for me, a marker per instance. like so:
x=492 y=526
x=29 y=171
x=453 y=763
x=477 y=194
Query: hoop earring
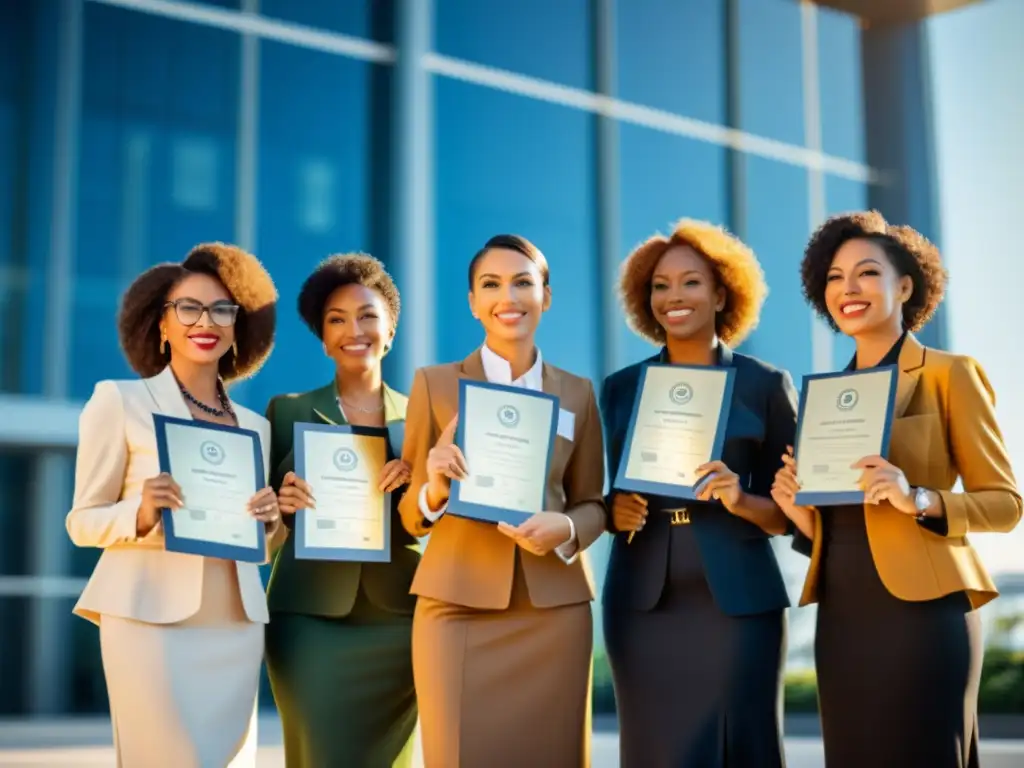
x=163 y=345
x=324 y=345
x=234 y=348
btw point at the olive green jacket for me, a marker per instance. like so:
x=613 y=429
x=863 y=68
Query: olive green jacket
x=324 y=587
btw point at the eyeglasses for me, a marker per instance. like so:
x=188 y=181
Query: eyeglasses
x=190 y=311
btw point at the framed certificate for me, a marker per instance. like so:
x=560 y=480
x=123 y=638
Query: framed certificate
x=843 y=417
x=678 y=423
x=219 y=469
x=352 y=518
x=507 y=435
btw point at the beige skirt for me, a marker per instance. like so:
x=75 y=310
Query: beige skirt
x=185 y=695
x=503 y=689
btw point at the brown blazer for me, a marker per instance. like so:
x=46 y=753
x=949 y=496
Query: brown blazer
x=944 y=428
x=471 y=563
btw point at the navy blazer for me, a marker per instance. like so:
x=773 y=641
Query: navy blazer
x=739 y=562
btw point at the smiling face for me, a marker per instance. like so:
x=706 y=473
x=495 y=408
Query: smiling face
x=508 y=295
x=863 y=291
x=199 y=323
x=685 y=296
x=357 y=327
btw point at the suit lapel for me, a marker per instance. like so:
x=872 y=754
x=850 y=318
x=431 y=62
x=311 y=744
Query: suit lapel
x=324 y=403
x=394 y=419
x=911 y=363
x=167 y=395
x=473 y=367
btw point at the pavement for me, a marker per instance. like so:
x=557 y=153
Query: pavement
x=74 y=743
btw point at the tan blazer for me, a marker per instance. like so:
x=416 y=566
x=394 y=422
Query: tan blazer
x=472 y=564
x=137 y=578
x=945 y=428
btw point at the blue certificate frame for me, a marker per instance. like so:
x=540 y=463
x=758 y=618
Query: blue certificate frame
x=175 y=543
x=673 y=490
x=833 y=498
x=340 y=554
x=496 y=514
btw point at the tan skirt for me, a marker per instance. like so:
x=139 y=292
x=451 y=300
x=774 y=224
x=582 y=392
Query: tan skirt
x=503 y=689
x=184 y=695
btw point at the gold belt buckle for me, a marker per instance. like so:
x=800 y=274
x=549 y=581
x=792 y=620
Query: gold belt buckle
x=680 y=516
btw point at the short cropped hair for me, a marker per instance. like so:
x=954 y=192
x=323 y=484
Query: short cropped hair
x=340 y=270
x=732 y=262
x=909 y=252
x=246 y=281
x=516 y=243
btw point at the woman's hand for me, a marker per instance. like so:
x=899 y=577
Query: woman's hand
x=158 y=493
x=394 y=475
x=785 y=487
x=629 y=512
x=445 y=463
x=263 y=506
x=541 y=533
x=882 y=481
x=719 y=483
x=295 y=494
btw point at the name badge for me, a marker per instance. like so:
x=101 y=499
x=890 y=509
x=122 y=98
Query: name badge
x=566 y=424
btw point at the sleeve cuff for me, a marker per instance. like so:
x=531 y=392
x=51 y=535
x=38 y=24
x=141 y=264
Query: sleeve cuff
x=569 y=550
x=432 y=515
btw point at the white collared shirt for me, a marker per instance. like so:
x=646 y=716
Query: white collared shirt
x=498 y=370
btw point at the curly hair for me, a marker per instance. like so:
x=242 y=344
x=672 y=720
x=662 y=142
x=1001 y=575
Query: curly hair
x=340 y=270
x=244 y=278
x=735 y=268
x=909 y=252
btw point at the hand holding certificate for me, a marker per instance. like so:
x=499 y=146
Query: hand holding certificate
x=677 y=426
x=843 y=418
x=216 y=473
x=350 y=518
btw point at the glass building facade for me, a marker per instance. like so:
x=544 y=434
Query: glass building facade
x=131 y=130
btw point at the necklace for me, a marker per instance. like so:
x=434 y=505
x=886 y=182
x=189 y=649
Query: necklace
x=225 y=409
x=343 y=403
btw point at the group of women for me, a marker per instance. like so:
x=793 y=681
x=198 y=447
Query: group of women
x=485 y=641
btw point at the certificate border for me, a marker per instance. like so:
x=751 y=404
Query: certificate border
x=484 y=512
x=338 y=554
x=673 y=490
x=175 y=543
x=833 y=498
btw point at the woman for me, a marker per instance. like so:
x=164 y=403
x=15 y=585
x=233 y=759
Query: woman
x=502 y=634
x=338 y=647
x=898 y=647
x=694 y=602
x=181 y=635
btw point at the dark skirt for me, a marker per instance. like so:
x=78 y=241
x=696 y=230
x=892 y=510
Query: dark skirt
x=897 y=681
x=695 y=688
x=343 y=687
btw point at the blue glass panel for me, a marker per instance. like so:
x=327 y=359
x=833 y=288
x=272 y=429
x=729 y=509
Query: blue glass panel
x=313 y=198
x=551 y=41
x=665 y=177
x=510 y=164
x=841 y=83
x=771 y=99
x=842 y=196
x=776 y=204
x=370 y=19
x=672 y=56
x=157 y=166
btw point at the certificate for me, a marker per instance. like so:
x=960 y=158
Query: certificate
x=843 y=418
x=352 y=518
x=219 y=469
x=507 y=435
x=678 y=423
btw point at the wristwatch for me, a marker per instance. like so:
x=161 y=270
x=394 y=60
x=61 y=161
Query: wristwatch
x=921 y=502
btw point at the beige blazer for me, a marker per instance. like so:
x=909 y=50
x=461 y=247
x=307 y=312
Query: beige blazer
x=471 y=563
x=137 y=578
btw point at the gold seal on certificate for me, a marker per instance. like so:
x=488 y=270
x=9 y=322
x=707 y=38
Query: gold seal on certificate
x=352 y=517
x=678 y=423
x=843 y=418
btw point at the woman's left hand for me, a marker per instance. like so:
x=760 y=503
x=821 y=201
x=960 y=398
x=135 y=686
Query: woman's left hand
x=723 y=485
x=263 y=506
x=541 y=533
x=882 y=481
x=394 y=475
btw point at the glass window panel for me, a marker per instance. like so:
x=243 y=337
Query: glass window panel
x=842 y=196
x=14 y=659
x=510 y=164
x=87 y=688
x=672 y=56
x=841 y=83
x=15 y=539
x=771 y=99
x=665 y=177
x=157 y=163
x=512 y=36
x=370 y=19
x=314 y=194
